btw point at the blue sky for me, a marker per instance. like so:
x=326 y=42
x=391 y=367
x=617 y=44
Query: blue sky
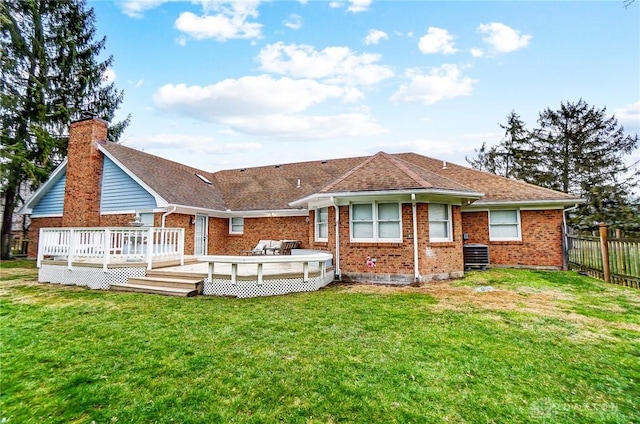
x=219 y=85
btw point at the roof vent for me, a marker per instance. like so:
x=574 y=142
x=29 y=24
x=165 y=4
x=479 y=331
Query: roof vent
x=298 y=185
x=203 y=178
x=324 y=161
x=243 y=169
x=277 y=166
x=444 y=164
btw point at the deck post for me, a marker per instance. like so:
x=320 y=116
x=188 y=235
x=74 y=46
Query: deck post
x=40 y=248
x=106 y=249
x=181 y=245
x=150 y=235
x=305 y=271
x=234 y=273
x=210 y=276
x=260 y=273
x=72 y=249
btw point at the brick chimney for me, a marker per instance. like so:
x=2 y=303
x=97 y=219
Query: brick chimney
x=84 y=173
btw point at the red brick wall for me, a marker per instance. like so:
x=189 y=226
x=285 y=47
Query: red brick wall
x=84 y=174
x=442 y=257
x=541 y=243
x=255 y=229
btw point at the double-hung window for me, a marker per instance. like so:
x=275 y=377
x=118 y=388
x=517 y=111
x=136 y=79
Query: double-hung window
x=322 y=224
x=376 y=222
x=236 y=225
x=504 y=225
x=439 y=222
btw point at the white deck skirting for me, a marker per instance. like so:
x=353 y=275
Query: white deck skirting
x=251 y=276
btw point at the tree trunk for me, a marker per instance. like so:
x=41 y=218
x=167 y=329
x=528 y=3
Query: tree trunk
x=7 y=221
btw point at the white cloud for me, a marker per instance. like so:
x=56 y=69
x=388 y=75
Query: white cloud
x=629 y=117
x=307 y=127
x=108 y=76
x=294 y=21
x=248 y=105
x=502 y=38
x=374 y=36
x=139 y=83
x=191 y=143
x=444 y=82
x=230 y=21
x=246 y=96
x=335 y=64
x=437 y=40
x=136 y=8
x=356 y=6
x=335 y=4
x=476 y=52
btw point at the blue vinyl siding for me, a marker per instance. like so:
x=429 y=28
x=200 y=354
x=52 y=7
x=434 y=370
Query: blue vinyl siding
x=120 y=192
x=52 y=203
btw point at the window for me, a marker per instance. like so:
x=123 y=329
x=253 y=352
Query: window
x=439 y=222
x=504 y=225
x=375 y=222
x=236 y=225
x=322 y=224
x=146 y=219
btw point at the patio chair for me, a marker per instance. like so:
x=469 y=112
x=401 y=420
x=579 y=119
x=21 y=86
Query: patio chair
x=287 y=245
x=260 y=249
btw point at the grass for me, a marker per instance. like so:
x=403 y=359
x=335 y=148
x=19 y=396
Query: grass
x=547 y=347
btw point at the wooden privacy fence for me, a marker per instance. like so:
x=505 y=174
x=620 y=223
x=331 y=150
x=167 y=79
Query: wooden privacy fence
x=614 y=260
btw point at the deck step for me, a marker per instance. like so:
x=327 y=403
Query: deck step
x=143 y=288
x=154 y=280
x=176 y=274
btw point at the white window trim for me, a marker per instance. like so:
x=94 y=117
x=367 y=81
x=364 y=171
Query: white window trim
x=231 y=225
x=375 y=223
x=518 y=223
x=317 y=225
x=449 y=221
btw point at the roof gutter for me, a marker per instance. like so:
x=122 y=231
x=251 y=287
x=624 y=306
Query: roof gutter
x=437 y=191
x=416 y=267
x=164 y=215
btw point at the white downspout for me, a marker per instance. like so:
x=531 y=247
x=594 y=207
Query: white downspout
x=168 y=213
x=565 y=250
x=416 y=268
x=337 y=209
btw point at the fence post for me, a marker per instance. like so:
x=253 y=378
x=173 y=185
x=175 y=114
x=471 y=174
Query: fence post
x=604 y=248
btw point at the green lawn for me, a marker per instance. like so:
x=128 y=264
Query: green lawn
x=546 y=347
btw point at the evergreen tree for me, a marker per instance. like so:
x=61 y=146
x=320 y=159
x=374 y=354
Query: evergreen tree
x=51 y=75
x=508 y=157
x=577 y=149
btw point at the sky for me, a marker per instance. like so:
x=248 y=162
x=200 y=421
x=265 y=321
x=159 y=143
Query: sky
x=223 y=85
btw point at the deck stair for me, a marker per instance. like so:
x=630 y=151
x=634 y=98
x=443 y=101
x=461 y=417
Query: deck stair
x=164 y=283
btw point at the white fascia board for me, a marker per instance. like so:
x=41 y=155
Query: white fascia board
x=160 y=201
x=388 y=193
x=134 y=211
x=55 y=176
x=50 y=215
x=522 y=204
x=269 y=213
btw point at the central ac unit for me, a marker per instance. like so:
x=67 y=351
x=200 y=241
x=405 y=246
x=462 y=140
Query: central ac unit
x=475 y=255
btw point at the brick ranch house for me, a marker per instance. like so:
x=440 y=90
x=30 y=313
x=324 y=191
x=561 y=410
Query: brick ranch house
x=410 y=212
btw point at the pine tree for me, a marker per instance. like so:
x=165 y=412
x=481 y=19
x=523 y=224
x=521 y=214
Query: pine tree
x=577 y=149
x=507 y=158
x=51 y=75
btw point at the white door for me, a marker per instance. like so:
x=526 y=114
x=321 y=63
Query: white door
x=200 y=245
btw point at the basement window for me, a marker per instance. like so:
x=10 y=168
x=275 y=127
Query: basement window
x=204 y=179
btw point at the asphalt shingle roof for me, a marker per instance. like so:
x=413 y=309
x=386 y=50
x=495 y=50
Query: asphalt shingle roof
x=274 y=187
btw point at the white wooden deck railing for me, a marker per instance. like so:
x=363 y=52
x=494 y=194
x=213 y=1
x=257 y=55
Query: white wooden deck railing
x=109 y=245
x=260 y=260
